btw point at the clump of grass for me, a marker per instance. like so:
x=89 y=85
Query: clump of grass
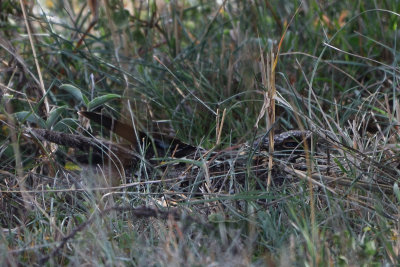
x=196 y=72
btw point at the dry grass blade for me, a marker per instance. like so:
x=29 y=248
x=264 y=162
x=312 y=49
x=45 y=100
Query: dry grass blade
x=42 y=87
x=271 y=94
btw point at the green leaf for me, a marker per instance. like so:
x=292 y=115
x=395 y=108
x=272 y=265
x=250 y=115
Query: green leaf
x=101 y=100
x=396 y=191
x=340 y=165
x=65 y=124
x=370 y=248
x=121 y=18
x=23 y=116
x=217 y=217
x=70 y=166
x=54 y=115
x=85 y=100
x=73 y=90
x=139 y=37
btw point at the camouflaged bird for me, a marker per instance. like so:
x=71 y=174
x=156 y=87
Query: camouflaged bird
x=183 y=160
